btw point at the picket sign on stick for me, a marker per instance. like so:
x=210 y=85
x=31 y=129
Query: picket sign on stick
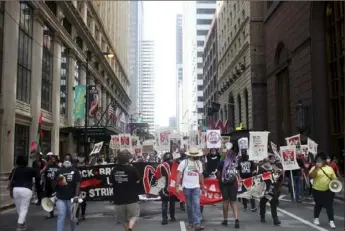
x=289 y=162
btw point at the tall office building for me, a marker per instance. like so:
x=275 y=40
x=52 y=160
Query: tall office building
x=136 y=33
x=179 y=71
x=198 y=17
x=172 y=122
x=147 y=83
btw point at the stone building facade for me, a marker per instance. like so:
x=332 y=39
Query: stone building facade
x=241 y=66
x=43 y=55
x=305 y=62
x=210 y=69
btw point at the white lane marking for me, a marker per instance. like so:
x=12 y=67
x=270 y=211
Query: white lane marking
x=183 y=226
x=335 y=216
x=301 y=220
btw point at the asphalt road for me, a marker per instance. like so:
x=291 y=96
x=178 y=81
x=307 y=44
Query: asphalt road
x=100 y=216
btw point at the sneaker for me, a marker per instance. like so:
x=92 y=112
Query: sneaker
x=316 y=221
x=165 y=222
x=237 y=224
x=276 y=221
x=262 y=219
x=173 y=219
x=224 y=223
x=245 y=208
x=331 y=224
x=254 y=209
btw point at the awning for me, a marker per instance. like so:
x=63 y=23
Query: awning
x=93 y=132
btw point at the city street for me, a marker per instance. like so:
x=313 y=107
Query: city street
x=100 y=216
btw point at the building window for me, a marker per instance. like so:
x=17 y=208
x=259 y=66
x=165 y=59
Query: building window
x=24 y=53
x=21 y=141
x=239 y=103
x=203 y=21
x=64 y=82
x=2 y=10
x=201 y=32
x=76 y=74
x=205 y=11
x=47 y=69
x=335 y=71
x=246 y=101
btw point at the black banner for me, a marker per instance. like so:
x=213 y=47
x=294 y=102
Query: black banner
x=95 y=185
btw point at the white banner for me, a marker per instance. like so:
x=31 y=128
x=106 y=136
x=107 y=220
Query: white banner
x=213 y=139
x=312 y=146
x=97 y=148
x=258 y=145
x=288 y=154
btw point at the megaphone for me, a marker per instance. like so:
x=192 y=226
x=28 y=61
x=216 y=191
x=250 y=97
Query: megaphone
x=335 y=186
x=48 y=203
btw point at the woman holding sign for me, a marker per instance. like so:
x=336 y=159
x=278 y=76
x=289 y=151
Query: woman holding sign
x=322 y=175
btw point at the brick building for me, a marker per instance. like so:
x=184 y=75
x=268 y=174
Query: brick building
x=305 y=62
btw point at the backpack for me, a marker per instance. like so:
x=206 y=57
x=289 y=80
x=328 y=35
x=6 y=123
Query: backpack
x=229 y=176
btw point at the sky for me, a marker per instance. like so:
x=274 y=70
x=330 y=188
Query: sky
x=160 y=26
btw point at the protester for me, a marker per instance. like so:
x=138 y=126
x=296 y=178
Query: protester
x=67 y=184
x=182 y=157
x=82 y=206
x=277 y=165
x=167 y=200
x=39 y=164
x=270 y=194
x=191 y=179
x=125 y=180
x=212 y=162
x=333 y=165
x=247 y=169
x=49 y=177
x=228 y=185
x=322 y=174
x=297 y=181
x=20 y=186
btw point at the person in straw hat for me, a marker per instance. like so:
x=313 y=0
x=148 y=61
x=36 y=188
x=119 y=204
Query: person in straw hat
x=190 y=178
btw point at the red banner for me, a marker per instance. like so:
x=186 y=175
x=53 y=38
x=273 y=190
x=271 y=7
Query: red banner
x=212 y=196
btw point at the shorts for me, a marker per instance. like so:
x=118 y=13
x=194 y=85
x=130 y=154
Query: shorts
x=229 y=192
x=125 y=213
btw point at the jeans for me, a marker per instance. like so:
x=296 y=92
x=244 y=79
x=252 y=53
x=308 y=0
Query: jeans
x=297 y=187
x=22 y=197
x=192 y=196
x=64 y=209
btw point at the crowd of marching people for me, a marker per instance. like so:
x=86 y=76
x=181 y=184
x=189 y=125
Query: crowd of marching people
x=61 y=179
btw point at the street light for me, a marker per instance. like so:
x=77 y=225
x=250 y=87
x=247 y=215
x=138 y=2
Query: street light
x=89 y=56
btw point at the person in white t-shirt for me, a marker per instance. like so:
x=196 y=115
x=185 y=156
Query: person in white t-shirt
x=190 y=174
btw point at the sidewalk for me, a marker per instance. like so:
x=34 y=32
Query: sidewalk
x=5 y=199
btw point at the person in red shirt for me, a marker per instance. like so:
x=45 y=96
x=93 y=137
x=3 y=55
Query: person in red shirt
x=333 y=165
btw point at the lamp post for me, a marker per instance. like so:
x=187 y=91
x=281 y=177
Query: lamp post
x=88 y=59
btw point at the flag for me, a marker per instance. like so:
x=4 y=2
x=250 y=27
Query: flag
x=36 y=145
x=111 y=113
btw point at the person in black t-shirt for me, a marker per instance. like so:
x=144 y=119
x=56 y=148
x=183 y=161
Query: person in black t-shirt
x=125 y=180
x=67 y=185
x=212 y=162
x=20 y=182
x=39 y=164
x=49 y=176
x=246 y=169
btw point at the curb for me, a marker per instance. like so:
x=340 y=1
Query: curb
x=6 y=207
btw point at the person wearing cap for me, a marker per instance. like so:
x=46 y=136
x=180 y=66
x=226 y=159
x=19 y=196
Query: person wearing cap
x=228 y=184
x=49 y=177
x=190 y=178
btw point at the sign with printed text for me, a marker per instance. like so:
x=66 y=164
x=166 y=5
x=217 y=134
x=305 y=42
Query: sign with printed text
x=125 y=141
x=213 y=139
x=114 y=142
x=289 y=155
x=258 y=145
x=97 y=148
x=312 y=146
x=164 y=140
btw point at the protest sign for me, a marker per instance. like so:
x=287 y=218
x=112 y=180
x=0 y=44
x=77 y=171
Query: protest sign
x=163 y=140
x=114 y=142
x=288 y=157
x=125 y=142
x=175 y=142
x=213 y=139
x=258 y=145
x=293 y=140
x=312 y=146
x=96 y=148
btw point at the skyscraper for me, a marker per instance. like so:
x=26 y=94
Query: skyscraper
x=147 y=83
x=179 y=71
x=136 y=33
x=197 y=17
